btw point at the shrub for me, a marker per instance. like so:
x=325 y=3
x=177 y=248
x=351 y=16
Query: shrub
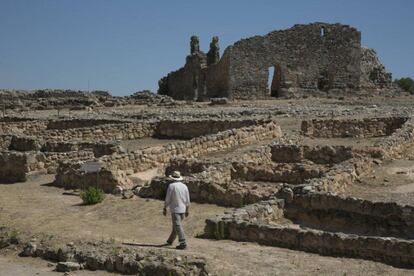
x=407 y=84
x=92 y=195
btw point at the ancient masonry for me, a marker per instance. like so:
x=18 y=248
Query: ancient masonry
x=287 y=171
x=289 y=188
x=306 y=59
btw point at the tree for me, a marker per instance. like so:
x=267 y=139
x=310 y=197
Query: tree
x=407 y=84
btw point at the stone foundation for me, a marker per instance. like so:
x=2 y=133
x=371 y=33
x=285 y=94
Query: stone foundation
x=368 y=127
x=291 y=153
x=142 y=160
x=70 y=176
x=351 y=215
x=256 y=223
x=148 y=158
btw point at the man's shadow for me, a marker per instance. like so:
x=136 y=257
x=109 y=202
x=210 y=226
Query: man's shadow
x=147 y=244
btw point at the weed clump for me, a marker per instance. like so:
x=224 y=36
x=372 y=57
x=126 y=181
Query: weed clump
x=92 y=195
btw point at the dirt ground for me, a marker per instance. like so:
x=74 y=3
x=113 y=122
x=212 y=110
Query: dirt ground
x=12 y=265
x=392 y=181
x=38 y=208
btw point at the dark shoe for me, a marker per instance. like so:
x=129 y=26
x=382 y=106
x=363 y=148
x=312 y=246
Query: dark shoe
x=167 y=243
x=182 y=246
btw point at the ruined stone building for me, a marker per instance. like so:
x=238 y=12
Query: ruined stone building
x=301 y=60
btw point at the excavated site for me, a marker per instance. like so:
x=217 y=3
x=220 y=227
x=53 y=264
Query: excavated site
x=302 y=184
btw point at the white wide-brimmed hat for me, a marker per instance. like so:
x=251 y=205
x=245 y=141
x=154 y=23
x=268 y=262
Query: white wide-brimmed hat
x=176 y=175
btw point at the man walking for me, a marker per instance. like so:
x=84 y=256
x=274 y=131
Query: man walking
x=178 y=200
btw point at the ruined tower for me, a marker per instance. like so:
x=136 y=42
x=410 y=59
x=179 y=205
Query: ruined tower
x=213 y=55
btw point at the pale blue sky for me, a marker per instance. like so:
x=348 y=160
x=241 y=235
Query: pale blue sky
x=126 y=46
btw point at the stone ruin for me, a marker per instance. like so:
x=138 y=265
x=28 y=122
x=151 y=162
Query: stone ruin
x=60 y=99
x=311 y=59
x=288 y=187
x=286 y=171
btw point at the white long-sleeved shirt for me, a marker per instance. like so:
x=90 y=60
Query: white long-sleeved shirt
x=178 y=197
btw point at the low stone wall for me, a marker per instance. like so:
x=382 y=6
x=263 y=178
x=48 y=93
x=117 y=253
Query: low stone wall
x=191 y=166
x=263 y=212
x=187 y=129
x=99 y=148
x=203 y=190
x=367 y=127
x=125 y=131
x=148 y=158
x=15 y=119
x=289 y=153
x=351 y=215
x=104 y=129
x=400 y=144
x=240 y=225
x=50 y=160
x=212 y=185
x=80 y=123
x=279 y=173
x=102 y=255
x=27 y=127
x=342 y=174
x=29 y=143
x=70 y=176
x=24 y=143
x=14 y=166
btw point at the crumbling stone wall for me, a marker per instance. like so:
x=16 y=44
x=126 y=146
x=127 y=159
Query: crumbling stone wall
x=213 y=187
x=125 y=131
x=99 y=148
x=186 y=129
x=367 y=127
x=142 y=160
x=277 y=173
x=351 y=215
x=14 y=166
x=27 y=127
x=341 y=175
x=70 y=175
x=245 y=224
x=291 y=153
x=373 y=73
x=51 y=98
x=80 y=123
x=145 y=159
x=49 y=161
x=98 y=130
x=400 y=143
x=24 y=143
x=302 y=53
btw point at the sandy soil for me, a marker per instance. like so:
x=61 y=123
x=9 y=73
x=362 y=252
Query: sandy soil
x=38 y=208
x=12 y=265
x=392 y=181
